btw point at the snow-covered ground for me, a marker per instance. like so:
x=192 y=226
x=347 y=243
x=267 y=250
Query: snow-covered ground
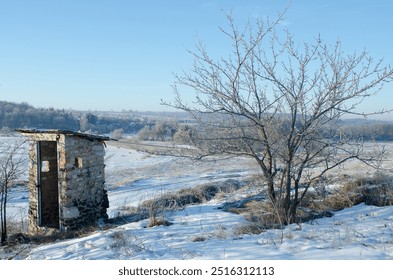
x=205 y=231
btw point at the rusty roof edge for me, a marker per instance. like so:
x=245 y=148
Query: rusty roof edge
x=65 y=132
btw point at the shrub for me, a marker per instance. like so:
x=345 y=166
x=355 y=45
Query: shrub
x=377 y=190
x=199 y=239
x=117 y=133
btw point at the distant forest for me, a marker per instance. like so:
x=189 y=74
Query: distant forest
x=23 y=115
x=149 y=125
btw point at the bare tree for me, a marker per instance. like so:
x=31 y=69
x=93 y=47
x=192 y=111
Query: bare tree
x=280 y=103
x=11 y=168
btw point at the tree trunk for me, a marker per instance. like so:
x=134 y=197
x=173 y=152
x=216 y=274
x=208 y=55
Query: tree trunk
x=3 y=218
x=3 y=237
x=292 y=218
x=271 y=192
x=287 y=199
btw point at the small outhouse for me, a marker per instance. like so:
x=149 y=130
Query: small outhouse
x=66 y=180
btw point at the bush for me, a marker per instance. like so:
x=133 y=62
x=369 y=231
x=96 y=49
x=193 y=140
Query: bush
x=161 y=131
x=183 y=135
x=377 y=190
x=145 y=134
x=117 y=133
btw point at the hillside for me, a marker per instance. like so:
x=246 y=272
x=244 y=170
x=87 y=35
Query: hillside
x=23 y=115
x=205 y=230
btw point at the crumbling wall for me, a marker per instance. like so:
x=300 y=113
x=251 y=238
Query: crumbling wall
x=81 y=196
x=49 y=195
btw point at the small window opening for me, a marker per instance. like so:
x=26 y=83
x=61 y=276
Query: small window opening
x=44 y=166
x=78 y=162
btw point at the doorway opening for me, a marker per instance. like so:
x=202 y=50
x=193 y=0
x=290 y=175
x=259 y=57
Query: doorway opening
x=48 y=191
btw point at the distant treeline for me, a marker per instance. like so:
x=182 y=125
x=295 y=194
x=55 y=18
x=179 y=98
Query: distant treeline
x=371 y=130
x=182 y=133
x=155 y=127
x=23 y=115
x=15 y=115
x=106 y=124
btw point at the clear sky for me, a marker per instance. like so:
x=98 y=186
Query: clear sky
x=121 y=54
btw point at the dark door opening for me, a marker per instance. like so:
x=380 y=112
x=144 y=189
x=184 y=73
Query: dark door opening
x=48 y=193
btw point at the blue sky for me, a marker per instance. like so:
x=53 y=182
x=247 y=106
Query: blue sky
x=119 y=54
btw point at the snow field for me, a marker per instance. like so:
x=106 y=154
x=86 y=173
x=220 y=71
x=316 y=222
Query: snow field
x=205 y=231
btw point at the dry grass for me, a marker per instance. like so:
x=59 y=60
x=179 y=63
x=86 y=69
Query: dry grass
x=261 y=214
x=199 y=238
x=155 y=209
x=126 y=243
x=375 y=190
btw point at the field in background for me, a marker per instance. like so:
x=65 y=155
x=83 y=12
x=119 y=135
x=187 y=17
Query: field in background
x=205 y=230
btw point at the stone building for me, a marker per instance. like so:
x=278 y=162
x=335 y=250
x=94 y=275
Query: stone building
x=66 y=180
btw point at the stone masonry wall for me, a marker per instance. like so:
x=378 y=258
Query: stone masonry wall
x=82 y=198
x=33 y=181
